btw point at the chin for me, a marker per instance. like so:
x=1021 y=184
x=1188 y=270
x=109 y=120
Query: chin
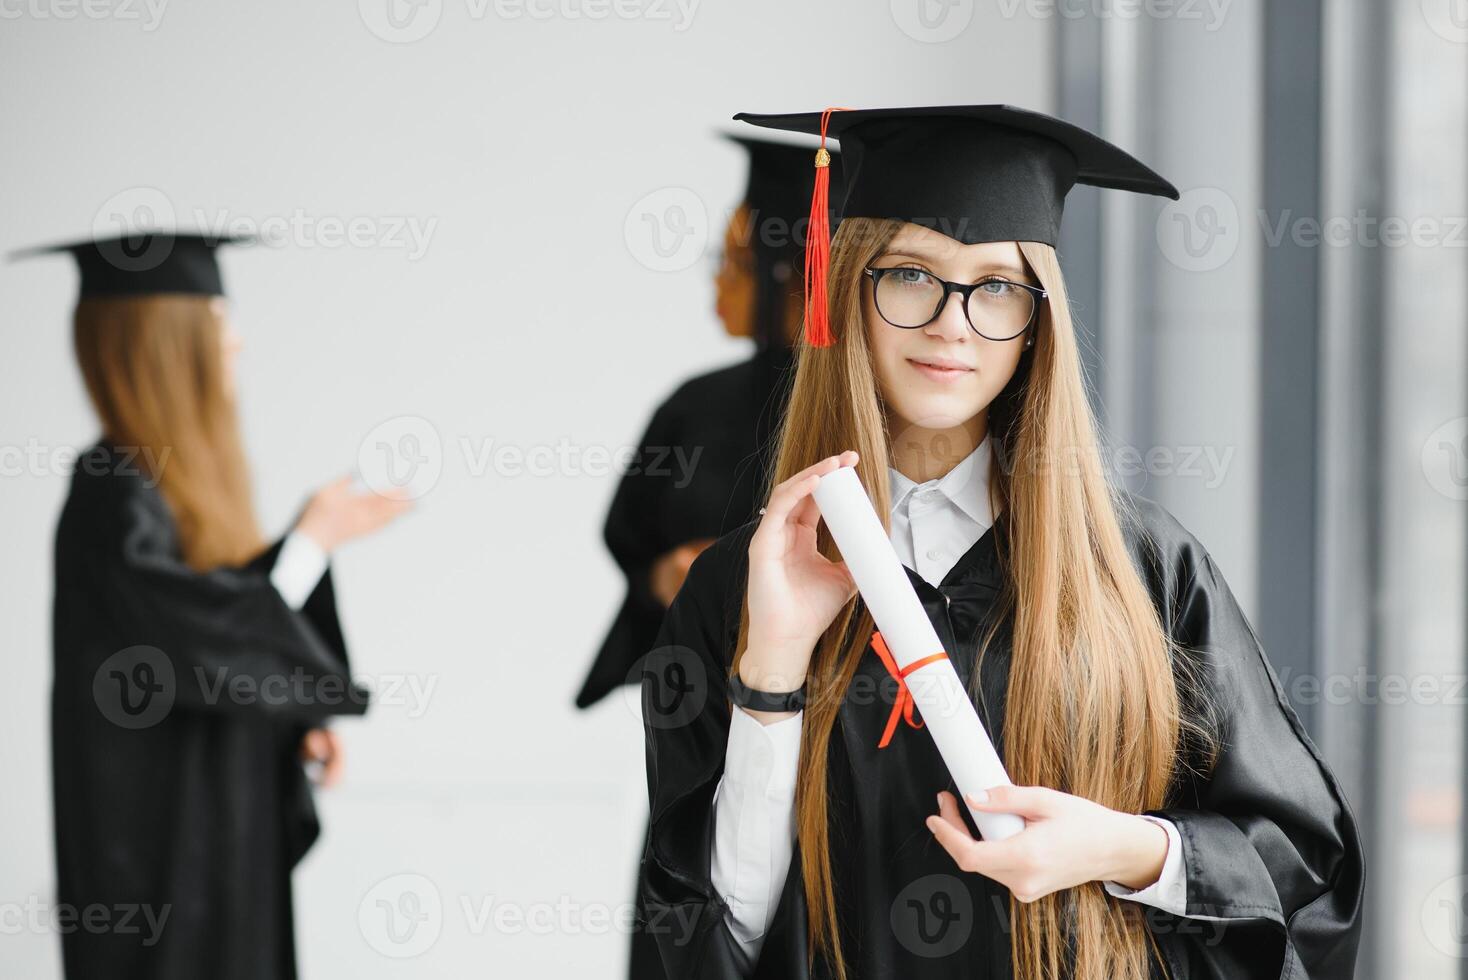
x=938 y=413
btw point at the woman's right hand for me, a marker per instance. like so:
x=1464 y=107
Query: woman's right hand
x=795 y=592
x=336 y=513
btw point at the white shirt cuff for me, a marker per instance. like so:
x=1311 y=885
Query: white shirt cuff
x=298 y=568
x=1170 y=891
x=754 y=822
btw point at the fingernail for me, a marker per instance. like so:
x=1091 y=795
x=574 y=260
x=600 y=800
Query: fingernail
x=982 y=796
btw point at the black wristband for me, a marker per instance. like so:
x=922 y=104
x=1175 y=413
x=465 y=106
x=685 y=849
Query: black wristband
x=747 y=697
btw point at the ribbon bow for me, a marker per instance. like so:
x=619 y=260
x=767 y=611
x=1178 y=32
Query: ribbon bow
x=904 y=707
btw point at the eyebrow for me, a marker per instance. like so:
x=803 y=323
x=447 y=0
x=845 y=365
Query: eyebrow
x=925 y=256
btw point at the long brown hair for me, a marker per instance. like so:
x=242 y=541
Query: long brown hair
x=154 y=369
x=1095 y=708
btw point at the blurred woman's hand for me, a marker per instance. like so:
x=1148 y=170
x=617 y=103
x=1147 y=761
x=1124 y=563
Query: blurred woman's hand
x=669 y=571
x=324 y=746
x=336 y=513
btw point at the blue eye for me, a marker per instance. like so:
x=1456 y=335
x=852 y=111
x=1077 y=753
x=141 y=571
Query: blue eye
x=911 y=277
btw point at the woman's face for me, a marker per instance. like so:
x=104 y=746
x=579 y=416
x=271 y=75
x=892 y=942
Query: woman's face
x=734 y=284
x=229 y=341
x=944 y=374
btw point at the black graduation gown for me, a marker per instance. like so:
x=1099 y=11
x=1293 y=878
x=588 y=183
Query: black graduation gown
x=1269 y=842
x=179 y=701
x=728 y=417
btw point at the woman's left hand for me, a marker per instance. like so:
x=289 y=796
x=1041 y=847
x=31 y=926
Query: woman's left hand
x=1067 y=841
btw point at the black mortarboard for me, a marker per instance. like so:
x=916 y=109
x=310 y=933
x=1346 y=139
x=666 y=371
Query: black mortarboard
x=778 y=196
x=977 y=173
x=144 y=263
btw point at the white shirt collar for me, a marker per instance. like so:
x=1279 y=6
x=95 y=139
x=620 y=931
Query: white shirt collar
x=966 y=485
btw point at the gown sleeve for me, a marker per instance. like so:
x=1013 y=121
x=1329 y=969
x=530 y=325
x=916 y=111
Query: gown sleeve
x=1270 y=846
x=634 y=521
x=635 y=535
x=685 y=706
x=232 y=640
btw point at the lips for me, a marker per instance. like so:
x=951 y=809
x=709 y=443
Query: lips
x=940 y=369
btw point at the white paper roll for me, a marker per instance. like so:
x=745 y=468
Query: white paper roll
x=947 y=712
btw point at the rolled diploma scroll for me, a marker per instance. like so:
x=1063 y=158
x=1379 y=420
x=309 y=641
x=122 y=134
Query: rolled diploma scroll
x=947 y=712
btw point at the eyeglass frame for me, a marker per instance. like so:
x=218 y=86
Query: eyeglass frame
x=964 y=290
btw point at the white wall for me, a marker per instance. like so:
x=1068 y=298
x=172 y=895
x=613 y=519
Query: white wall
x=522 y=145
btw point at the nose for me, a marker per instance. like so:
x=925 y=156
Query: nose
x=951 y=322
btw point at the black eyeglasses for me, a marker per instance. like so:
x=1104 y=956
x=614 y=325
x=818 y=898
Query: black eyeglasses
x=997 y=308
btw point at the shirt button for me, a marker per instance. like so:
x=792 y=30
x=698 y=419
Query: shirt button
x=934 y=554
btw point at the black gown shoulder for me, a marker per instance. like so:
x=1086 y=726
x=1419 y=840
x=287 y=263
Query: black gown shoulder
x=696 y=474
x=1270 y=846
x=179 y=699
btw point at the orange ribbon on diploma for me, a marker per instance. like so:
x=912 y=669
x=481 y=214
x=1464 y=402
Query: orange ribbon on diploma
x=904 y=707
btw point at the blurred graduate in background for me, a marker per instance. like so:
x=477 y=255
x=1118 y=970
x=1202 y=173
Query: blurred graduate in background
x=708 y=447
x=665 y=513
x=195 y=665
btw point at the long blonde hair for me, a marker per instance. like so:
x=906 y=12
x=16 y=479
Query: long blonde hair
x=154 y=369
x=1095 y=708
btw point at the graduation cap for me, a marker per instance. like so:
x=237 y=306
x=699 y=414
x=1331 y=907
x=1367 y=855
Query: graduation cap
x=777 y=195
x=143 y=263
x=977 y=173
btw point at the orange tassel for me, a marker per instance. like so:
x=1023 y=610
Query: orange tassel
x=818 y=248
